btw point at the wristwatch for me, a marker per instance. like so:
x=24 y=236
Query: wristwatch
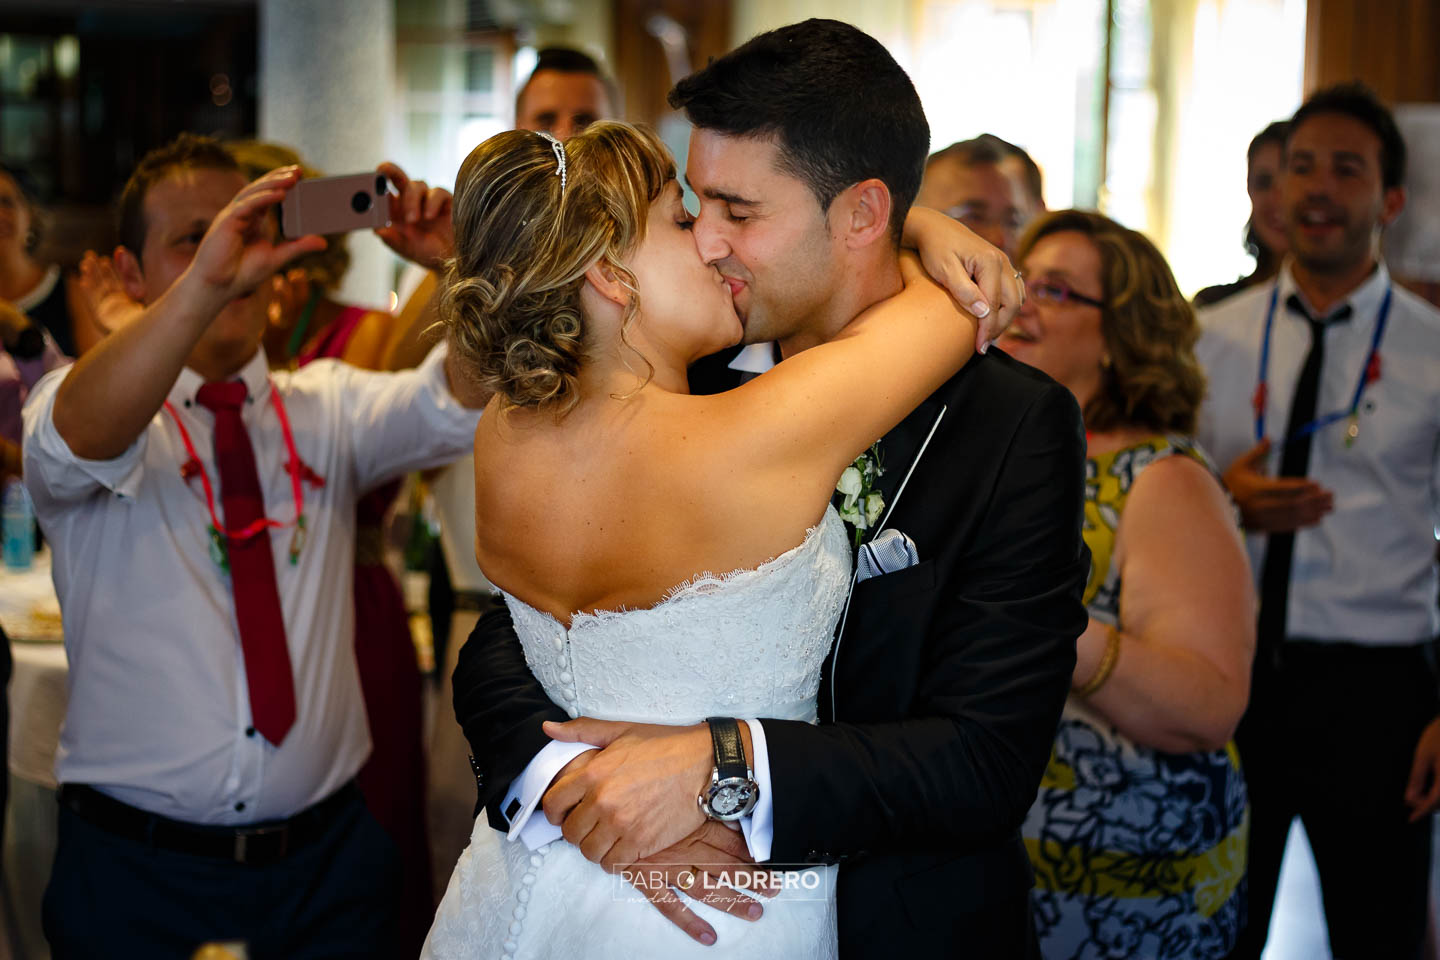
x=732 y=791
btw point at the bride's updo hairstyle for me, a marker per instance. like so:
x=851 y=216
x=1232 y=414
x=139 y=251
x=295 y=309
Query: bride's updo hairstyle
x=522 y=246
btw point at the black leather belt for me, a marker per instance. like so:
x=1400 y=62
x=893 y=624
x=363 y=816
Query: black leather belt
x=257 y=845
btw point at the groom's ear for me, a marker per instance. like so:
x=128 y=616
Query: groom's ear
x=606 y=282
x=861 y=213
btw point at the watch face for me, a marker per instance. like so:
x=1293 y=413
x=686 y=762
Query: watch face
x=730 y=797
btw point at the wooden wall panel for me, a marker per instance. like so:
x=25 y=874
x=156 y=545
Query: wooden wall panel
x=639 y=61
x=1392 y=45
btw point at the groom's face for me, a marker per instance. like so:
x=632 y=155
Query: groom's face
x=763 y=229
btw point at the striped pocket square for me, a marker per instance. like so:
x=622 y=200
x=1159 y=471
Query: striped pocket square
x=888 y=552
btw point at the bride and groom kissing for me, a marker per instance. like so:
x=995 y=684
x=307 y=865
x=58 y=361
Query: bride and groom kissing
x=884 y=730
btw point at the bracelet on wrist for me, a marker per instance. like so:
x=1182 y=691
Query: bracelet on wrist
x=1106 y=666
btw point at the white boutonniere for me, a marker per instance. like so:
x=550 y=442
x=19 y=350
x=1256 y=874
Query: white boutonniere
x=862 y=503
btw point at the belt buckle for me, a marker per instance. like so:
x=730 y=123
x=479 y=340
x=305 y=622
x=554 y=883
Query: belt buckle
x=242 y=853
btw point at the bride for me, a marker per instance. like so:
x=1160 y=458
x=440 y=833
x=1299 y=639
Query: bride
x=606 y=495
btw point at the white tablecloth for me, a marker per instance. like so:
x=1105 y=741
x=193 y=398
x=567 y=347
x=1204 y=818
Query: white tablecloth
x=37 y=707
x=30 y=615
x=29 y=609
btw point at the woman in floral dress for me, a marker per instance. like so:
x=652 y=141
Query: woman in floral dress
x=1138 y=832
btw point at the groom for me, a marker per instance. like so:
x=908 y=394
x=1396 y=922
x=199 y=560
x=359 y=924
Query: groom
x=941 y=696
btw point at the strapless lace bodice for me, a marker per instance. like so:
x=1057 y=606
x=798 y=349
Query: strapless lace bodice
x=748 y=643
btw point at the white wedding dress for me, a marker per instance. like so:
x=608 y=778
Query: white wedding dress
x=749 y=643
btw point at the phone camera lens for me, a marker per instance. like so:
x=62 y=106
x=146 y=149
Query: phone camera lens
x=360 y=202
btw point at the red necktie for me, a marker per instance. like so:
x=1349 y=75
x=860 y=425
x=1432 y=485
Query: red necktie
x=252 y=567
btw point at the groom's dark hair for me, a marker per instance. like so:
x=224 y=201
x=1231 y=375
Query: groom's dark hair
x=837 y=104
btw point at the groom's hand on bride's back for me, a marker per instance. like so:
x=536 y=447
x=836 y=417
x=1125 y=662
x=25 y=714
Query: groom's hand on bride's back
x=634 y=797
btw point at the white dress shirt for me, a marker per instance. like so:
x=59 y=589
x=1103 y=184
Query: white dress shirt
x=1366 y=573
x=529 y=788
x=159 y=710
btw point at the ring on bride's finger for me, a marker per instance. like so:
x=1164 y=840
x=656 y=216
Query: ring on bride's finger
x=687 y=879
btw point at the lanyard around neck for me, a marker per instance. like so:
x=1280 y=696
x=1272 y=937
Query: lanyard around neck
x=1369 y=371
x=297 y=469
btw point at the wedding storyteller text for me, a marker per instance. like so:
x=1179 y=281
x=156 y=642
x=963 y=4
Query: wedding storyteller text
x=722 y=880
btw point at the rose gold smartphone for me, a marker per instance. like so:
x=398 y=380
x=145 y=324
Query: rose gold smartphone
x=324 y=205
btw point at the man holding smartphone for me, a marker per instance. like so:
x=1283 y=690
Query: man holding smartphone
x=199 y=509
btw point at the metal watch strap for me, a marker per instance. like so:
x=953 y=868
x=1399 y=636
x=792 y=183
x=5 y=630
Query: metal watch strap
x=729 y=748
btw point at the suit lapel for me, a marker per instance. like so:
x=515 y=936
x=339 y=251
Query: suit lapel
x=906 y=443
x=899 y=450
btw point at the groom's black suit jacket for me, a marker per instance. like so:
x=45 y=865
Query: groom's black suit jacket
x=941 y=698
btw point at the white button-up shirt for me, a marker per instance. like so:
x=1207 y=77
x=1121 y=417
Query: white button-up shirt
x=1366 y=573
x=158 y=702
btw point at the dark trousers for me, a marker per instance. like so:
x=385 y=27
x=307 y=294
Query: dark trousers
x=111 y=896
x=1329 y=737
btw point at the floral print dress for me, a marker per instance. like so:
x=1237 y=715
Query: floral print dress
x=1138 y=854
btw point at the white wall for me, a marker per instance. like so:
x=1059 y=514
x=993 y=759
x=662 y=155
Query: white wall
x=327 y=79
x=1013 y=69
x=885 y=20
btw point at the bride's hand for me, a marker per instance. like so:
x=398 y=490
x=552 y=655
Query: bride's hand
x=978 y=275
x=708 y=866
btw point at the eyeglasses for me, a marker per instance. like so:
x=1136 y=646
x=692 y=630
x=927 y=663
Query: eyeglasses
x=1058 y=293
x=972 y=216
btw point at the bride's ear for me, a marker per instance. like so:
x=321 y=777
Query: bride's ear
x=603 y=279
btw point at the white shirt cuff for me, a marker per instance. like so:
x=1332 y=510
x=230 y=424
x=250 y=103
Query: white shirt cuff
x=528 y=790
x=759 y=826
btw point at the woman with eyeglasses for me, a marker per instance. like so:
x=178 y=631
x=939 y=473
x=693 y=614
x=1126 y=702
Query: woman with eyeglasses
x=1138 y=832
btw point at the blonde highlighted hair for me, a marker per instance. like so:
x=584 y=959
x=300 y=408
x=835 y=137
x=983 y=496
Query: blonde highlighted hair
x=522 y=246
x=1153 y=379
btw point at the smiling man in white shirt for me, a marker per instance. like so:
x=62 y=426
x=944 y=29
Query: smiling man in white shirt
x=201 y=512
x=1324 y=398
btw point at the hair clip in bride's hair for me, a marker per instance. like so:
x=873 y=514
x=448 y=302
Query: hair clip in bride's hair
x=559 y=149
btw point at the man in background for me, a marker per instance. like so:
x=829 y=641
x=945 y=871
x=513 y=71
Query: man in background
x=1024 y=172
x=201 y=550
x=566 y=93
x=965 y=181
x=1323 y=400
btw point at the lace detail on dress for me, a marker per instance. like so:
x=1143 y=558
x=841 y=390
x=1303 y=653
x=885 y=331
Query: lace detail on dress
x=746 y=643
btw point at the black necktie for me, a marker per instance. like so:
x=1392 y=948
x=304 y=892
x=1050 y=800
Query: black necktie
x=1294 y=462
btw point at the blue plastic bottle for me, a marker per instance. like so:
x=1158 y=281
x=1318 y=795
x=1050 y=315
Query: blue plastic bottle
x=19 y=527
